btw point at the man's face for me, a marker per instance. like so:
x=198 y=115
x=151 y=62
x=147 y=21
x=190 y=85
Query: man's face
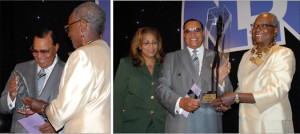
x=74 y=33
x=193 y=34
x=44 y=51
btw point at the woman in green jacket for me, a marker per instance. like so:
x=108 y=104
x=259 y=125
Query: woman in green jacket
x=136 y=109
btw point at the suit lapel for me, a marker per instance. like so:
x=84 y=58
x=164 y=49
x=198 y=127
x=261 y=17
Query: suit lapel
x=144 y=69
x=32 y=75
x=186 y=59
x=205 y=74
x=52 y=80
x=156 y=70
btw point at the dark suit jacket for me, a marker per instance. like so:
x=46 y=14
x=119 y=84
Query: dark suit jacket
x=177 y=76
x=136 y=108
x=29 y=71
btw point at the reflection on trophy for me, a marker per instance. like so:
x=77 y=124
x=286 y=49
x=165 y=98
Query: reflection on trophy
x=22 y=89
x=217 y=26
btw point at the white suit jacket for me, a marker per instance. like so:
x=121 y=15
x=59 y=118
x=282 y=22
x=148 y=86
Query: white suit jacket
x=83 y=102
x=270 y=83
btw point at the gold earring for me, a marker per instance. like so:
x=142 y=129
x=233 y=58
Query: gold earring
x=83 y=42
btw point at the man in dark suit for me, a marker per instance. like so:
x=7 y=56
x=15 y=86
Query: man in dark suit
x=47 y=65
x=181 y=70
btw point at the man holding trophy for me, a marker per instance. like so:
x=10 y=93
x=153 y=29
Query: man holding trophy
x=185 y=87
x=37 y=78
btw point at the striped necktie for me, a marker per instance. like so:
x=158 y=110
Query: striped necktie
x=41 y=80
x=195 y=60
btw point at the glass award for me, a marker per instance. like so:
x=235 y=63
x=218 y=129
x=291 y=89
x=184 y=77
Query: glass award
x=22 y=89
x=217 y=39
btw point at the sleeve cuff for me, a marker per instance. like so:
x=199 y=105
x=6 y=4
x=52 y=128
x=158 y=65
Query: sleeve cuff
x=222 y=86
x=10 y=103
x=178 y=110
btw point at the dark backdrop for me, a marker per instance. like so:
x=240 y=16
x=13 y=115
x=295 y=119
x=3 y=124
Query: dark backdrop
x=165 y=16
x=129 y=16
x=18 y=23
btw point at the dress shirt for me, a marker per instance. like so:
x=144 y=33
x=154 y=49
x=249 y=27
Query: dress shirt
x=48 y=70
x=200 y=53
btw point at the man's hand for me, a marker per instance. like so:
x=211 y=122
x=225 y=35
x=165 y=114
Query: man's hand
x=189 y=104
x=13 y=90
x=222 y=108
x=33 y=104
x=25 y=112
x=46 y=128
x=224 y=70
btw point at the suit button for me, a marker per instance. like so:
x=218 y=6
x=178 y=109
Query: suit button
x=123 y=110
x=10 y=105
x=151 y=112
x=152 y=97
x=152 y=83
x=177 y=112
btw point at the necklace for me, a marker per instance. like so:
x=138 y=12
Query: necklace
x=257 y=57
x=91 y=41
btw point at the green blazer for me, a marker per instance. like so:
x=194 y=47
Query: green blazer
x=136 y=108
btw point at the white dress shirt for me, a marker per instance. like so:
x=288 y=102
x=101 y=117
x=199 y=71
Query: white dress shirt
x=48 y=70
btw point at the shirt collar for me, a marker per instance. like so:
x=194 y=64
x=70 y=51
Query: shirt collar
x=199 y=49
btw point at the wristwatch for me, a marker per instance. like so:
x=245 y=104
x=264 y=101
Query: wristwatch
x=237 y=100
x=43 y=109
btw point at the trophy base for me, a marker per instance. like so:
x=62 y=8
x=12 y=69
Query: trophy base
x=206 y=98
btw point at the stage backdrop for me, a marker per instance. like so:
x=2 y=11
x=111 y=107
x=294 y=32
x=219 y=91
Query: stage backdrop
x=243 y=14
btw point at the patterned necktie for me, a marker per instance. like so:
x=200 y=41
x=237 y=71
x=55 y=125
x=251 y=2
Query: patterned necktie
x=195 y=60
x=41 y=80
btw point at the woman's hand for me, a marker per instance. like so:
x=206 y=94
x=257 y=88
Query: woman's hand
x=226 y=100
x=33 y=104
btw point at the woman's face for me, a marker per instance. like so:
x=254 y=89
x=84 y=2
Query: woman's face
x=74 y=33
x=264 y=30
x=149 y=45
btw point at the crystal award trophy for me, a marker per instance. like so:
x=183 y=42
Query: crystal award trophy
x=22 y=89
x=217 y=39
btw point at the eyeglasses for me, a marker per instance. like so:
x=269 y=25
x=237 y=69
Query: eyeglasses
x=67 y=27
x=36 y=52
x=148 y=43
x=261 y=25
x=190 y=30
